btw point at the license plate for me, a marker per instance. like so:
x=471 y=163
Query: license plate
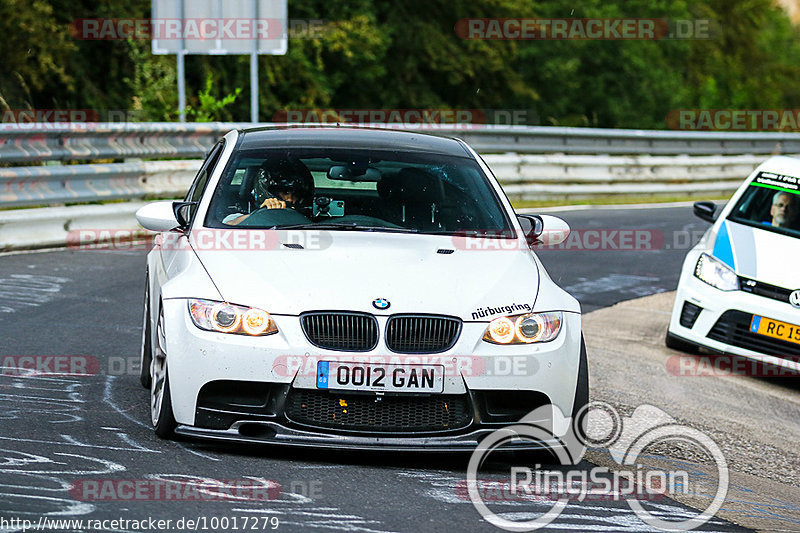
x=775 y=329
x=336 y=375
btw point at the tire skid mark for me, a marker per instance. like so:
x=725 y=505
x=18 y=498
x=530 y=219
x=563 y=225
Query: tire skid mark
x=108 y=398
x=294 y=505
x=28 y=290
x=578 y=516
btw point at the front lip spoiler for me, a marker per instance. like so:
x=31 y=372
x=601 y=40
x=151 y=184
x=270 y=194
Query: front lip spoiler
x=283 y=436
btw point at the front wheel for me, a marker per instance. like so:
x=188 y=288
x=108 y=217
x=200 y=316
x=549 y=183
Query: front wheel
x=160 y=398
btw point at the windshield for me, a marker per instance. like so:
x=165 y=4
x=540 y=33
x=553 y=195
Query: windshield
x=355 y=190
x=772 y=203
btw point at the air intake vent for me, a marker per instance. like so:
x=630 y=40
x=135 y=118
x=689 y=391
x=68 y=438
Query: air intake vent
x=444 y=251
x=388 y=414
x=294 y=246
x=341 y=331
x=689 y=314
x=422 y=333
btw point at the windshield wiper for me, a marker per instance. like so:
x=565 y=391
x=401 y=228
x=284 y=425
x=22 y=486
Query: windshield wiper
x=350 y=226
x=471 y=233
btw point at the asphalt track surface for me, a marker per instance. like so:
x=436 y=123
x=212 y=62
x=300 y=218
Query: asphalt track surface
x=59 y=432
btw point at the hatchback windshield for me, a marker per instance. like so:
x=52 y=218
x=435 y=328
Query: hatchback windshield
x=355 y=190
x=771 y=202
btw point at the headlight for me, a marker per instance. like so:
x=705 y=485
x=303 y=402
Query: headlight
x=716 y=273
x=227 y=318
x=524 y=329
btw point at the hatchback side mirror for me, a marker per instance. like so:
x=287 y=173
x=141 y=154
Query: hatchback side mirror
x=706 y=210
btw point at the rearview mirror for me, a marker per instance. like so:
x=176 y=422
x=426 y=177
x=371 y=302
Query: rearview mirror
x=706 y=211
x=546 y=230
x=341 y=172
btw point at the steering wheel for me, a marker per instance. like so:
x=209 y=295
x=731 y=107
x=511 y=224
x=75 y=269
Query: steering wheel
x=264 y=217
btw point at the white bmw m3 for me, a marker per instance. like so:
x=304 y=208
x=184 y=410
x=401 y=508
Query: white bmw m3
x=361 y=288
x=739 y=291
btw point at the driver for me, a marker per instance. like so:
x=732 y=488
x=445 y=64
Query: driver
x=279 y=184
x=783 y=211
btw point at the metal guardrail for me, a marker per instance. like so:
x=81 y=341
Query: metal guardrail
x=24 y=143
x=524 y=177
x=543 y=163
x=531 y=163
x=44 y=185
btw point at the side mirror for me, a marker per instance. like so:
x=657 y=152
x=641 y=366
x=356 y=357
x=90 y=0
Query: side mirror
x=706 y=211
x=157 y=216
x=544 y=229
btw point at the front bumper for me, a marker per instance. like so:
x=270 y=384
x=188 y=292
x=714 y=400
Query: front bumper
x=276 y=434
x=539 y=373
x=723 y=310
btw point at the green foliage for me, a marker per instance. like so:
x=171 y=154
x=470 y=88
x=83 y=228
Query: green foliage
x=153 y=84
x=406 y=54
x=209 y=108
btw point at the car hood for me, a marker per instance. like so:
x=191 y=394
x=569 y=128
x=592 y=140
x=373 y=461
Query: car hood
x=349 y=270
x=759 y=254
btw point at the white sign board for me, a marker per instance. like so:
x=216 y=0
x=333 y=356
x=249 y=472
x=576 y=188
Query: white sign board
x=219 y=27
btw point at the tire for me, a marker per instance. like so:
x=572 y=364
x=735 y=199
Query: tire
x=161 y=415
x=581 y=394
x=677 y=343
x=146 y=355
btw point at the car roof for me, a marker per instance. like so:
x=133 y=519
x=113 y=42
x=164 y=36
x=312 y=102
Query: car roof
x=354 y=138
x=781 y=164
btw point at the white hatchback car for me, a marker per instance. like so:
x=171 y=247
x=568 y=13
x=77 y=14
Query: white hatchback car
x=333 y=287
x=739 y=290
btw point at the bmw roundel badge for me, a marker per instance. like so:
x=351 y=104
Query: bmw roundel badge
x=380 y=303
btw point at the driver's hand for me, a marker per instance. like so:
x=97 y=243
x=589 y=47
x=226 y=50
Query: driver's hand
x=273 y=203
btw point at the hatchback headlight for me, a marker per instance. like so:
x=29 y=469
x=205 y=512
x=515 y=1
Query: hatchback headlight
x=524 y=329
x=227 y=318
x=716 y=273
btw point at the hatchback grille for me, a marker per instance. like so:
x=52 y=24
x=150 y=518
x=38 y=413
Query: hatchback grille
x=733 y=328
x=342 y=331
x=375 y=414
x=422 y=333
x=766 y=290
